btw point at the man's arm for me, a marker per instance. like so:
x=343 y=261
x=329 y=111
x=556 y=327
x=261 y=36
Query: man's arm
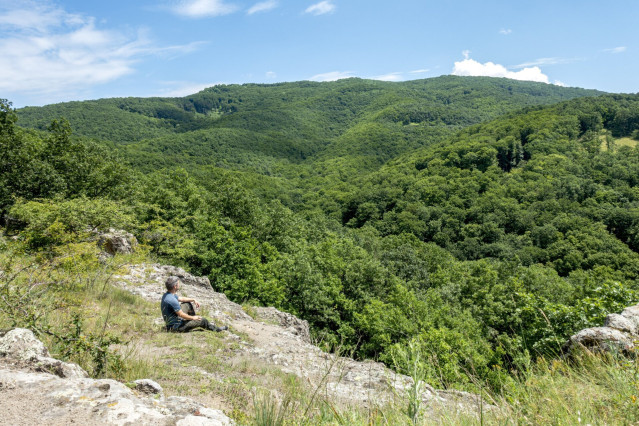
x=186 y=316
x=189 y=299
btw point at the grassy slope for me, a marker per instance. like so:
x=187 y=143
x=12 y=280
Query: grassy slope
x=206 y=367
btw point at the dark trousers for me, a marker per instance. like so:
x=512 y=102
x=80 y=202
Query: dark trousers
x=193 y=324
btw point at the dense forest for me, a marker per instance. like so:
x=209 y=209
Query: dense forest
x=483 y=220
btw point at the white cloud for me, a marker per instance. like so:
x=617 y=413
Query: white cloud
x=546 y=61
x=271 y=75
x=178 y=89
x=559 y=83
x=51 y=54
x=466 y=54
x=505 y=31
x=203 y=8
x=422 y=71
x=321 y=8
x=172 y=52
x=470 y=67
x=332 y=76
x=619 y=49
x=264 y=6
x=393 y=76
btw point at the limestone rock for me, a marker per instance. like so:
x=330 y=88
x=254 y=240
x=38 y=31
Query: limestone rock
x=290 y=322
x=147 y=280
x=184 y=276
x=601 y=339
x=213 y=417
x=117 y=242
x=38 y=397
x=618 y=334
x=621 y=323
x=282 y=340
x=59 y=368
x=22 y=344
x=148 y=386
x=632 y=313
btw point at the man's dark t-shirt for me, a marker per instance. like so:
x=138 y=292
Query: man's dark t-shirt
x=169 y=307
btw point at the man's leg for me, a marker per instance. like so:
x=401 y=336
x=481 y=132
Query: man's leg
x=201 y=323
x=193 y=324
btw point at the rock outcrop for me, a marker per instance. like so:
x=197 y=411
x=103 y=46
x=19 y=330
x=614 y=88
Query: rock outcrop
x=117 y=242
x=283 y=341
x=619 y=334
x=30 y=394
x=287 y=321
x=21 y=345
x=157 y=273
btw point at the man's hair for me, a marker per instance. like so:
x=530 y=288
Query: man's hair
x=171 y=282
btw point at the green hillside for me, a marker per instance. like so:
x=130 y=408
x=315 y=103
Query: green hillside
x=267 y=128
x=461 y=216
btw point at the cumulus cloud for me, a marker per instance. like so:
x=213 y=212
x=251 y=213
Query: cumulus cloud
x=470 y=67
x=203 y=8
x=50 y=53
x=264 y=6
x=505 y=31
x=619 y=49
x=321 y=8
x=332 y=76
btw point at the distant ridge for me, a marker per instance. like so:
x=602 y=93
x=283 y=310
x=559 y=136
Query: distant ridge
x=239 y=126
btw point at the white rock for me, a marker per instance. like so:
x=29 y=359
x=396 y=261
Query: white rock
x=621 y=323
x=602 y=338
x=148 y=386
x=21 y=343
x=631 y=312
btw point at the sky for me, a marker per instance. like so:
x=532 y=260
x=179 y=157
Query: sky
x=62 y=50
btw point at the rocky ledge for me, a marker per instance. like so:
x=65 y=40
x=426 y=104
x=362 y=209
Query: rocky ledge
x=283 y=341
x=38 y=389
x=619 y=334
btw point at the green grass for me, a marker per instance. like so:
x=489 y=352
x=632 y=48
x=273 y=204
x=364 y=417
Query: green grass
x=626 y=142
x=618 y=143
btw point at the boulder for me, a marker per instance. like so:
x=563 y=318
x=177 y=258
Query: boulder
x=598 y=339
x=621 y=323
x=117 y=242
x=185 y=277
x=288 y=321
x=148 y=387
x=40 y=397
x=59 y=368
x=618 y=334
x=21 y=344
x=632 y=314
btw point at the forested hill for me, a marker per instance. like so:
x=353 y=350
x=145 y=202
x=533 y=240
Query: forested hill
x=445 y=214
x=350 y=123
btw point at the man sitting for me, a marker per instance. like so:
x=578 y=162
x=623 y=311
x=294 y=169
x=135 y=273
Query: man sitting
x=175 y=318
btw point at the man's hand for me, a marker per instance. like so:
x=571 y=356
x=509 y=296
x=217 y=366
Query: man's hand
x=187 y=317
x=189 y=299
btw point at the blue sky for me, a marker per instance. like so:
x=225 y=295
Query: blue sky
x=61 y=50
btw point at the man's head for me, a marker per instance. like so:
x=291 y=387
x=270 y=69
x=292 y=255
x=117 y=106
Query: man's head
x=172 y=283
